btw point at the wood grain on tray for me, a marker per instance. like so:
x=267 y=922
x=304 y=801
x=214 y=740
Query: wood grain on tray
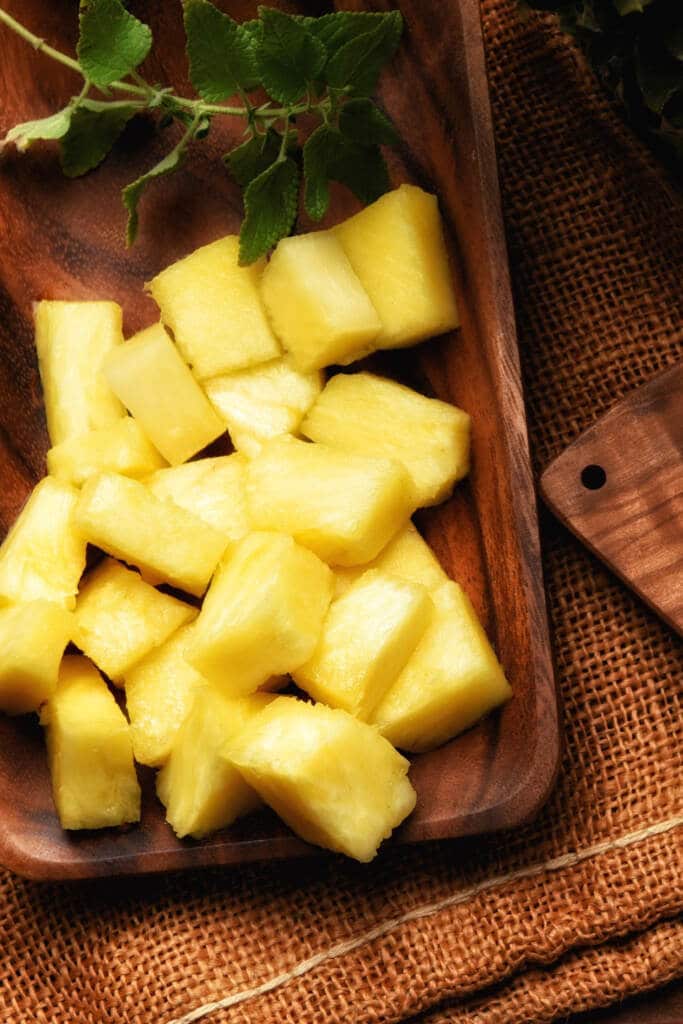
x=63 y=239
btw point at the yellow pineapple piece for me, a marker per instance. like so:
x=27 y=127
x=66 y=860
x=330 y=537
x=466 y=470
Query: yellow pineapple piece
x=263 y=401
x=72 y=339
x=263 y=613
x=201 y=790
x=213 y=307
x=333 y=779
x=344 y=507
x=212 y=489
x=371 y=415
x=165 y=542
x=318 y=307
x=43 y=555
x=368 y=635
x=32 y=641
x=159 y=694
x=119 y=618
x=153 y=382
x=119 y=448
x=89 y=750
x=451 y=680
x=407 y=556
x=396 y=247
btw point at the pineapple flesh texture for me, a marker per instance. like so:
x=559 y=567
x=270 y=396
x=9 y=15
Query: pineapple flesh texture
x=318 y=307
x=90 y=752
x=165 y=542
x=159 y=694
x=396 y=247
x=334 y=780
x=367 y=638
x=263 y=401
x=72 y=340
x=32 y=641
x=213 y=307
x=407 y=556
x=343 y=507
x=120 y=448
x=212 y=489
x=149 y=376
x=452 y=679
x=371 y=415
x=199 y=787
x=43 y=555
x=263 y=613
x=119 y=618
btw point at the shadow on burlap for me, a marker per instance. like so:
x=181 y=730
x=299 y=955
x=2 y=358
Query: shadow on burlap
x=596 y=247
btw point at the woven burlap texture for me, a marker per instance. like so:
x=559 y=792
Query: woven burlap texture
x=596 y=246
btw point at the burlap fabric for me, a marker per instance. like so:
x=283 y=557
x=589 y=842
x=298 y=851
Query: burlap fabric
x=569 y=913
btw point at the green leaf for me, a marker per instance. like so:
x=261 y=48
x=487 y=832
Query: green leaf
x=131 y=193
x=334 y=30
x=94 y=129
x=53 y=127
x=360 y=168
x=659 y=75
x=631 y=6
x=317 y=150
x=252 y=157
x=112 y=42
x=270 y=203
x=289 y=56
x=221 y=56
x=357 y=64
x=362 y=121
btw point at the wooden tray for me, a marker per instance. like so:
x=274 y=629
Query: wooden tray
x=63 y=239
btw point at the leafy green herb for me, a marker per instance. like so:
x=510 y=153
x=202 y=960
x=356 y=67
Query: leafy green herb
x=325 y=68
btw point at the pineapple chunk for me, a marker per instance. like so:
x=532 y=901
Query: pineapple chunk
x=32 y=641
x=72 y=339
x=201 y=790
x=367 y=638
x=452 y=679
x=333 y=779
x=43 y=555
x=213 y=307
x=407 y=556
x=396 y=247
x=159 y=694
x=318 y=307
x=119 y=618
x=263 y=401
x=154 y=383
x=89 y=750
x=165 y=542
x=371 y=415
x=212 y=489
x=119 y=448
x=263 y=613
x=343 y=507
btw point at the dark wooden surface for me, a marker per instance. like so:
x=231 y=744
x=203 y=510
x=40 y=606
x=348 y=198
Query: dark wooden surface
x=619 y=487
x=63 y=239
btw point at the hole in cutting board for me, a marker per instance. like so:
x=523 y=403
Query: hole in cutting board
x=593 y=477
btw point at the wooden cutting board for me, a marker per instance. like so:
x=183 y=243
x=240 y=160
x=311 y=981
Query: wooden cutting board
x=619 y=488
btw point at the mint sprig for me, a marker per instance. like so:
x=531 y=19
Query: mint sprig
x=326 y=68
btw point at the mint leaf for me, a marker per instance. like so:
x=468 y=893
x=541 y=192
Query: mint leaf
x=270 y=203
x=53 y=127
x=334 y=30
x=360 y=168
x=289 y=56
x=252 y=157
x=658 y=74
x=316 y=174
x=357 y=64
x=94 y=129
x=221 y=57
x=112 y=42
x=131 y=193
x=362 y=121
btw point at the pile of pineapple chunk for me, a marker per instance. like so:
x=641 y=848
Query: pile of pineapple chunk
x=299 y=544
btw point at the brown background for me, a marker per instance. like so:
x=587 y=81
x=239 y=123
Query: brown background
x=596 y=246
